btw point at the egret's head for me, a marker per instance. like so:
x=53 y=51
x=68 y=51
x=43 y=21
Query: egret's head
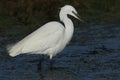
x=69 y=10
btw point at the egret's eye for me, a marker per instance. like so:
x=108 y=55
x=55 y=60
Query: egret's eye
x=74 y=12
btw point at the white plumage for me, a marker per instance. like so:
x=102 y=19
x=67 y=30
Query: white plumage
x=49 y=39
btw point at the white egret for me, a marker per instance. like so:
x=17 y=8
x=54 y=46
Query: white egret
x=49 y=39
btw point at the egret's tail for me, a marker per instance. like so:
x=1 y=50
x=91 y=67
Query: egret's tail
x=14 y=50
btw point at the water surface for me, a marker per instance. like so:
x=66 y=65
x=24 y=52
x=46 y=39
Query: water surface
x=93 y=54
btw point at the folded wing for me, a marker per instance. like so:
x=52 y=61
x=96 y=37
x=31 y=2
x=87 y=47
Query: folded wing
x=43 y=38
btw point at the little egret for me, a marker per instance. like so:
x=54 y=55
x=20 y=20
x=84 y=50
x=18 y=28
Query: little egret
x=49 y=39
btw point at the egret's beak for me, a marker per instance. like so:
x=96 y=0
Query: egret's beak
x=78 y=17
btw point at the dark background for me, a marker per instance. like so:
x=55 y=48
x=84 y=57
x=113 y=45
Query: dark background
x=33 y=12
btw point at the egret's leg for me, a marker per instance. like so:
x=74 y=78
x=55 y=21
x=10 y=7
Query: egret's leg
x=51 y=64
x=40 y=62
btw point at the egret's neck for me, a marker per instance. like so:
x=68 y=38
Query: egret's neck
x=68 y=27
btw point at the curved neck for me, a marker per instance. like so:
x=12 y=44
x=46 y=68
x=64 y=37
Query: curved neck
x=68 y=27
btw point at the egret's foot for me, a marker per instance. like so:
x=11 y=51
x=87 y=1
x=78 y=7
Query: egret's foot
x=58 y=68
x=33 y=61
x=39 y=67
x=51 y=67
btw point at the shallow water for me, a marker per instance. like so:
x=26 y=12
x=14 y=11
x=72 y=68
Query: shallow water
x=93 y=54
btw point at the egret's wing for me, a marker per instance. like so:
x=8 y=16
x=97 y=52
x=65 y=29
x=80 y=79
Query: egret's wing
x=43 y=38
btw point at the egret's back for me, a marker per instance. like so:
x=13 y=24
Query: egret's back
x=49 y=35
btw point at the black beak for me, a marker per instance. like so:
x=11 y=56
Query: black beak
x=78 y=16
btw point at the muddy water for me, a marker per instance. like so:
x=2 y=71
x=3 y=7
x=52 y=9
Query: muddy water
x=93 y=54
